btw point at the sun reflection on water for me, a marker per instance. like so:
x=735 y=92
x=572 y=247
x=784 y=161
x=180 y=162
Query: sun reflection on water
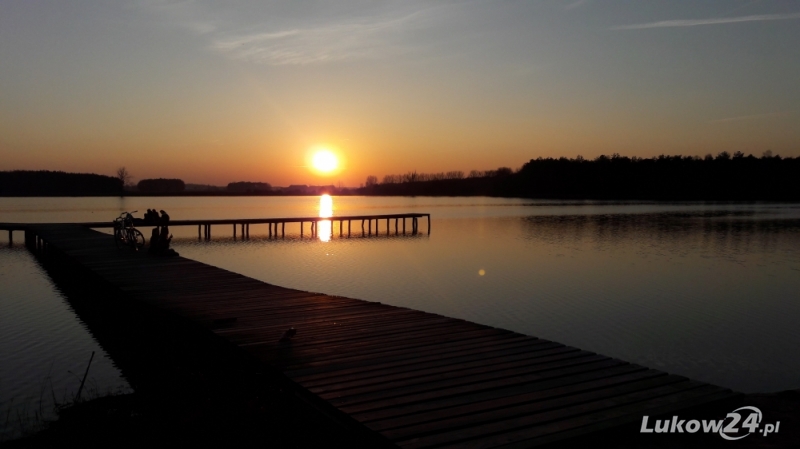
x=325 y=211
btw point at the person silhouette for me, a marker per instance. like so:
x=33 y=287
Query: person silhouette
x=164 y=221
x=164 y=239
x=155 y=245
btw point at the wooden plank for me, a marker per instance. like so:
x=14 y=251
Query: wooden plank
x=408 y=421
x=434 y=404
x=473 y=358
x=447 y=348
x=490 y=412
x=317 y=360
x=461 y=353
x=611 y=412
x=478 y=380
x=448 y=371
x=375 y=402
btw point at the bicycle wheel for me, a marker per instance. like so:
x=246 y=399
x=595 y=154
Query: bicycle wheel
x=138 y=239
x=119 y=240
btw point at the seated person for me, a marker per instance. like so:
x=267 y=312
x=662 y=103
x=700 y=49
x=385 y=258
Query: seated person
x=151 y=217
x=164 y=240
x=154 y=242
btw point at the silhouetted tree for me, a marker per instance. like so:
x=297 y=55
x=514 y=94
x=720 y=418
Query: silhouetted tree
x=124 y=176
x=371 y=181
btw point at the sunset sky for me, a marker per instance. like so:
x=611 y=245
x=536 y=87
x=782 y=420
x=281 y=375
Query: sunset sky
x=215 y=92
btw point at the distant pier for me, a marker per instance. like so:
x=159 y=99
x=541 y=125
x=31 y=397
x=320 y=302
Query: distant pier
x=396 y=221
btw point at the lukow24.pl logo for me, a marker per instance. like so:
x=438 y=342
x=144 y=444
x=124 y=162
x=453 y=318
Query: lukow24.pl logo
x=732 y=427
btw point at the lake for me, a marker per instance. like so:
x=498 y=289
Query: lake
x=710 y=291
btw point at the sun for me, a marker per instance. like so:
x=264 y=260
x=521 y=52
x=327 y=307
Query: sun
x=324 y=161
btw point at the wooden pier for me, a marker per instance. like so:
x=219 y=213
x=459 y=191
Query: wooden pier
x=419 y=379
x=204 y=226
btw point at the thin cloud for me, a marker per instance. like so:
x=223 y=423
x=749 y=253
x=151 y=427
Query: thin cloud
x=326 y=43
x=576 y=4
x=333 y=39
x=699 y=22
x=749 y=117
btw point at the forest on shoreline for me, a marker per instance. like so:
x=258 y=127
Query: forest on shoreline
x=689 y=178
x=725 y=177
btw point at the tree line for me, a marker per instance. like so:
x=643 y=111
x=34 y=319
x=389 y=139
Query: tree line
x=722 y=177
x=57 y=183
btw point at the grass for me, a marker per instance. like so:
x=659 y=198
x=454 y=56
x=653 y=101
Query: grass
x=25 y=420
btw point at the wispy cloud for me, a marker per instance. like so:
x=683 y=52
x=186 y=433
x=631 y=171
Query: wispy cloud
x=324 y=43
x=699 y=22
x=576 y=4
x=379 y=32
x=749 y=117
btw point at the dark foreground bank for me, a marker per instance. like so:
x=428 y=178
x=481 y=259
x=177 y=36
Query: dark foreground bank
x=272 y=418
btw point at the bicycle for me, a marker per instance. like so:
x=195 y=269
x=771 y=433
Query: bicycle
x=125 y=234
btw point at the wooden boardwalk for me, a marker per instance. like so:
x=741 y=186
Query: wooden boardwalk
x=419 y=379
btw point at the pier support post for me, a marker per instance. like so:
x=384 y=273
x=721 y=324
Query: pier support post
x=301 y=229
x=429 y=224
x=234 y=232
x=404 y=225
x=348 y=228
x=369 y=226
x=340 y=227
x=283 y=229
x=10 y=237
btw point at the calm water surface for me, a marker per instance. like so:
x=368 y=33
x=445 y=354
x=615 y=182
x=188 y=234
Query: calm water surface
x=709 y=291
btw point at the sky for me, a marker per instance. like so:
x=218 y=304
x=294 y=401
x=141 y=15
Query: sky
x=218 y=92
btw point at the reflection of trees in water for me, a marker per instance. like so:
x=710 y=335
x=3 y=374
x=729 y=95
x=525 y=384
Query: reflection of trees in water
x=739 y=231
